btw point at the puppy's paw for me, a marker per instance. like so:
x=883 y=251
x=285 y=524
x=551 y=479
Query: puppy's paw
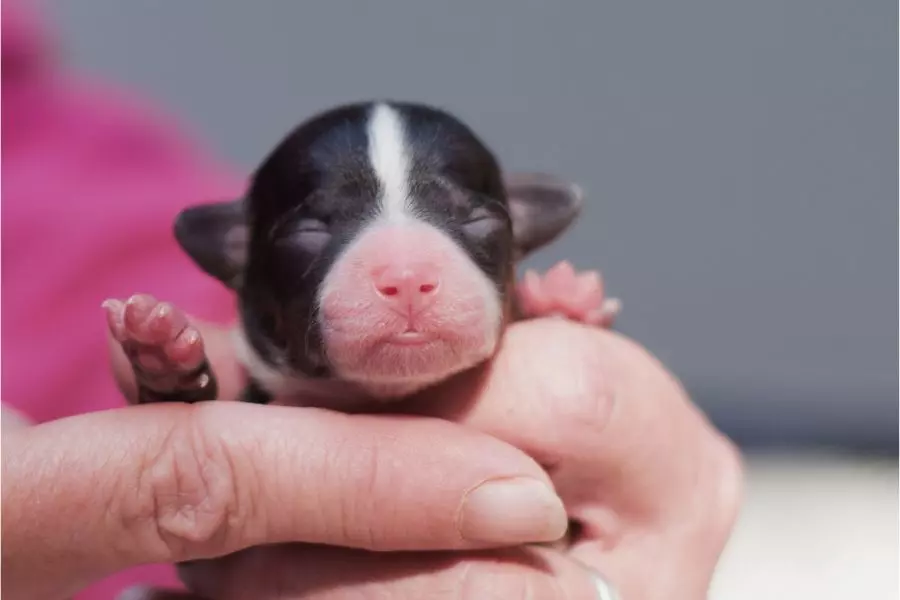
x=165 y=351
x=564 y=292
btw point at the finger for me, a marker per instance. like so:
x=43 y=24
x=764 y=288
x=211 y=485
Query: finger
x=315 y=573
x=165 y=483
x=571 y=395
x=556 y=391
x=550 y=391
x=217 y=344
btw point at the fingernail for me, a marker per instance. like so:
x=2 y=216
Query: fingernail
x=513 y=511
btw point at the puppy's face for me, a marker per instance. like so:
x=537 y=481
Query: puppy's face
x=377 y=245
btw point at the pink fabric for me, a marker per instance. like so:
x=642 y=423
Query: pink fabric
x=91 y=183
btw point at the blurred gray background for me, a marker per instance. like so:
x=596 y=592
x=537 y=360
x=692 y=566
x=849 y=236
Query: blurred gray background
x=739 y=157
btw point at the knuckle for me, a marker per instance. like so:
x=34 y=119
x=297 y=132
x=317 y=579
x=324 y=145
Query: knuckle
x=187 y=491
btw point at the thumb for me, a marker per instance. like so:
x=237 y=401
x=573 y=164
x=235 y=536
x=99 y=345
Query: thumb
x=97 y=493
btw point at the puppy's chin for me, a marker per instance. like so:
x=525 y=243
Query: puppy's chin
x=397 y=364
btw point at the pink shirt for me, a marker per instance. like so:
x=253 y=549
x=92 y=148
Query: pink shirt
x=91 y=183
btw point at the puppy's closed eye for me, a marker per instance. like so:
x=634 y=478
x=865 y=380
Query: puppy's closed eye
x=308 y=235
x=481 y=223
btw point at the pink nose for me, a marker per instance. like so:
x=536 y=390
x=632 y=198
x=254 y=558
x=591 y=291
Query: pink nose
x=408 y=287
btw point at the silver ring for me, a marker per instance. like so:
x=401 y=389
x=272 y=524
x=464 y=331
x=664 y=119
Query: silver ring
x=605 y=590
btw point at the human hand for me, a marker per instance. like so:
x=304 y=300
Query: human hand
x=653 y=487
x=91 y=495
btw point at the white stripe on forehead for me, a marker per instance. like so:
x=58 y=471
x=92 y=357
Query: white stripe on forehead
x=389 y=155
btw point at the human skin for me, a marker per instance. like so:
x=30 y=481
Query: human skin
x=655 y=489
x=89 y=495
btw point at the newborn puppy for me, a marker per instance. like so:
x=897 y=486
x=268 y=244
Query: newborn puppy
x=373 y=256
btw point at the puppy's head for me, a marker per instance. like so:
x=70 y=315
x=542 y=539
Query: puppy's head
x=377 y=244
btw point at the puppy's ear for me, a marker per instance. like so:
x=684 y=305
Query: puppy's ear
x=216 y=237
x=541 y=207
